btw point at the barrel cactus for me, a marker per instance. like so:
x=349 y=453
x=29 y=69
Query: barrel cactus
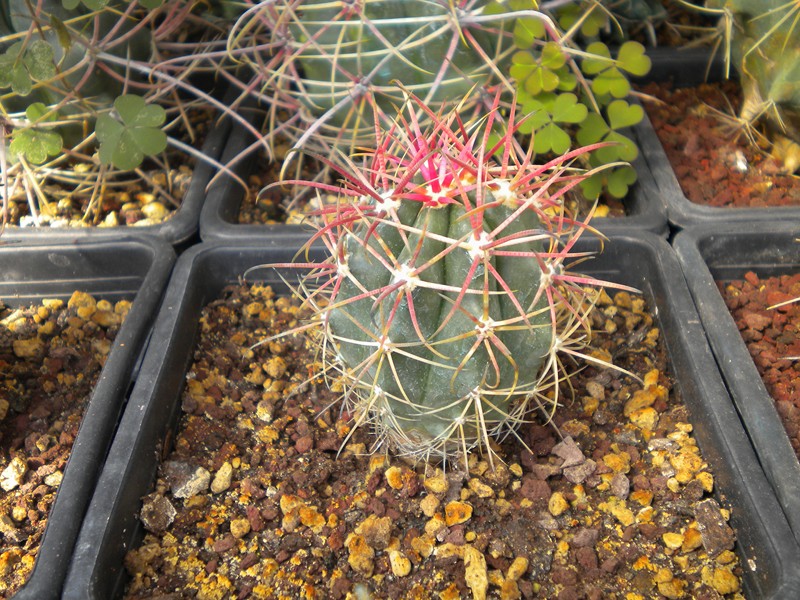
x=445 y=301
x=326 y=69
x=763 y=39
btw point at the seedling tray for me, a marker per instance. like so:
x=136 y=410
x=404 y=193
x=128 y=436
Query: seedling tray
x=130 y=269
x=686 y=69
x=769 y=554
x=715 y=253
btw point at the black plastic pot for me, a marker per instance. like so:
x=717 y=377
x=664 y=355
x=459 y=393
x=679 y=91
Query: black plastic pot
x=769 y=554
x=646 y=210
x=122 y=269
x=178 y=230
x=713 y=253
x=686 y=69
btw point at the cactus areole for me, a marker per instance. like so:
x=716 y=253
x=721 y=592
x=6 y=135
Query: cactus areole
x=444 y=295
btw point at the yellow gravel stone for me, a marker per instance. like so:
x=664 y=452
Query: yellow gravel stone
x=394 y=477
x=691 y=540
x=457 y=512
x=361 y=554
x=672 y=589
x=423 y=545
x=557 y=504
x=79 y=299
x=663 y=575
x=475 y=572
x=429 y=504
x=672 y=540
x=619 y=510
x=480 y=489
x=400 y=564
x=517 y=569
x=645 y=418
x=27 y=348
x=722 y=580
x=437 y=484
x=618 y=462
x=240 y=528
x=706 y=479
x=275 y=367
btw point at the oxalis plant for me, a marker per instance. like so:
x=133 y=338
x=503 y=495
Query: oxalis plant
x=761 y=40
x=445 y=305
x=577 y=90
x=83 y=90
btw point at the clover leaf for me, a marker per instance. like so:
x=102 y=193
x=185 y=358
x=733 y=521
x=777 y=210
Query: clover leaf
x=545 y=113
x=36 y=143
x=21 y=65
x=616 y=180
x=124 y=142
x=592 y=22
x=538 y=74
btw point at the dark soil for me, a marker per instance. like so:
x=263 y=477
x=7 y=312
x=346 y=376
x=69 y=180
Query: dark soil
x=772 y=336
x=50 y=358
x=264 y=495
x=710 y=154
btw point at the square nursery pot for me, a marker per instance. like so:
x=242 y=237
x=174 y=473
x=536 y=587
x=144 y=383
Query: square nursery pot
x=178 y=230
x=708 y=254
x=131 y=269
x=687 y=68
x=645 y=208
x=769 y=554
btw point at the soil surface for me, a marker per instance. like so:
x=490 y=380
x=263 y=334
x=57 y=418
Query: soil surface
x=772 y=336
x=50 y=358
x=709 y=151
x=146 y=197
x=265 y=496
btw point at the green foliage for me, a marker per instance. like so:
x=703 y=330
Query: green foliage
x=124 y=142
x=36 y=143
x=21 y=66
x=577 y=95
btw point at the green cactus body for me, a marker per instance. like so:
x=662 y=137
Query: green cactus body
x=334 y=64
x=466 y=353
x=385 y=41
x=445 y=298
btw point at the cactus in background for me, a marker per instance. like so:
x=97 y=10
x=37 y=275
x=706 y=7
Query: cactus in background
x=445 y=301
x=327 y=69
x=763 y=38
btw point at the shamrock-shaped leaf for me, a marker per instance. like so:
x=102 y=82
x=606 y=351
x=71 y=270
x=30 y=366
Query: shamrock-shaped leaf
x=538 y=74
x=21 y=65
x=36 y=143
x=616 y=181
x=592 y=22
x=526 y=31
x=621 y=114
x=598 y=59
x=125 y=142
x=631 y=58
x=545 y=113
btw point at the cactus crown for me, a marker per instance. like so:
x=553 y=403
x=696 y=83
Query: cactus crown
x=445 y=302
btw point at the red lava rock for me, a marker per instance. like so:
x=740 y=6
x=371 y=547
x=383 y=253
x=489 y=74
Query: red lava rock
x=715 y=166
x=535 y=489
